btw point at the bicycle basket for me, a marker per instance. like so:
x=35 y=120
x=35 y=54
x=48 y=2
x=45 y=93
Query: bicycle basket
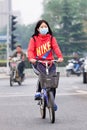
x=49 y=81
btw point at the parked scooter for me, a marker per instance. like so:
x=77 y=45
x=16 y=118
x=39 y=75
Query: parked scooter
x=85 y=71
x=74 y=67
x=14 y=75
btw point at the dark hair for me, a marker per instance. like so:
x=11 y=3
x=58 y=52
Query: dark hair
x=36 y=32
x=19 y=46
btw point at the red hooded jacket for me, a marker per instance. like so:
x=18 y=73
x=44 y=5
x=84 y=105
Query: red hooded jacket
x=42 y=47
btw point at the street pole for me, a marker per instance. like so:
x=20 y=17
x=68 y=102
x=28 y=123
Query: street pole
x=7 y=43
x=8 y=33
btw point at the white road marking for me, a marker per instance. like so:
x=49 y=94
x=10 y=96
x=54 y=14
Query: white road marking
x=78 y=92
x=82 y=91
x=15 y=95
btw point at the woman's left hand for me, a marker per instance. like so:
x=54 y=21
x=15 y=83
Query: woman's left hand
x=60 y=59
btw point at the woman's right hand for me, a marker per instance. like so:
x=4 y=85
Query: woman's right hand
x=33 y=61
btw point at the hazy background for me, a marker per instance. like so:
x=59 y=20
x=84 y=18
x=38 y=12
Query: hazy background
x=30 y=10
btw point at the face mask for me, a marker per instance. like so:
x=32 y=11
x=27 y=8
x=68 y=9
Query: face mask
x=43 y=31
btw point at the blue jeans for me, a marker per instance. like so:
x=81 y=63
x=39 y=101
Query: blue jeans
x=76 y=66
x=21 y=68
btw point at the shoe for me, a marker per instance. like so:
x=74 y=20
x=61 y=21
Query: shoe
x=55 y=107
x=22 y=77
x=37 y=96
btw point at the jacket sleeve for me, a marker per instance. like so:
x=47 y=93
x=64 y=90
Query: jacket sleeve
x=14 y=54
x=31 y=49
x=56 y=48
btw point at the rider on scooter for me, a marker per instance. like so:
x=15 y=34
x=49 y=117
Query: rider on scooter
x=77 y=61
x=21 y=56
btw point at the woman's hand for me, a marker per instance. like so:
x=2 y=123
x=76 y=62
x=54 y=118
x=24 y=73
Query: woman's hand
x=23 y=58
x=33 y=61
x=60 y=59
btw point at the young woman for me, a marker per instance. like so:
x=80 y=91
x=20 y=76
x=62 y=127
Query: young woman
x=41 y=46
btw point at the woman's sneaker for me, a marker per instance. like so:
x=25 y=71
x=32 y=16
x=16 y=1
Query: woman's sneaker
x=55 y=107
x=37 y=96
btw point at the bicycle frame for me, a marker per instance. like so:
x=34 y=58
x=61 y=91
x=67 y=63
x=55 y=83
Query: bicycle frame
x=44 y=90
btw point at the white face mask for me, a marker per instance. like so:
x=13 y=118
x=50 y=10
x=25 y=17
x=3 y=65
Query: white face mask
x=43 y=30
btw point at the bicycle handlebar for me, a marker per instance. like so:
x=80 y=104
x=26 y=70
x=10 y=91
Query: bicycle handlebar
x=47 y=61
x=15 y=59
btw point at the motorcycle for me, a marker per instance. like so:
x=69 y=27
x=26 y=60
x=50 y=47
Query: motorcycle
x=85 y=71
x=74 y=67
x=14 y=75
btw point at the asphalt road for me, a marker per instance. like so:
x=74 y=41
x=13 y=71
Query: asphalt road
x=19 y=111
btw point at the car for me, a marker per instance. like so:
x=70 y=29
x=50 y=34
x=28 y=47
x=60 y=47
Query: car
x=85 y=71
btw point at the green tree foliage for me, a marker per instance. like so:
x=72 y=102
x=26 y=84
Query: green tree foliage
x=71 y=29
x=66 y=18
x=23 y=34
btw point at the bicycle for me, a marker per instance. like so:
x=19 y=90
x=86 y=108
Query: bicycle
x=47 y=82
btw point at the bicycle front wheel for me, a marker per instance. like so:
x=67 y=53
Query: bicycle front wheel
x=43 y=108
x=51 y=107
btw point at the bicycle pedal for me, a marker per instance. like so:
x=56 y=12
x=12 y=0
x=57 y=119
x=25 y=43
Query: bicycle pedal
x=38 y=103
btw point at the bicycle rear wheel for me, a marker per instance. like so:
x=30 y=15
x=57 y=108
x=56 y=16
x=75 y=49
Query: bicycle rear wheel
x=43 y=108
x=51 y=107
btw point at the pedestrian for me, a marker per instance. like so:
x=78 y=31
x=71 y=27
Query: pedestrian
x=41 y=46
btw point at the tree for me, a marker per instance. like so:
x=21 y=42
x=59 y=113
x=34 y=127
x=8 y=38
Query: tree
x=24 y=33
x=71 y=30
x=66 y=19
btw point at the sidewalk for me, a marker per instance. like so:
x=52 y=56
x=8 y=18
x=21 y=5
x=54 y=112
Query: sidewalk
x=28 y=72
